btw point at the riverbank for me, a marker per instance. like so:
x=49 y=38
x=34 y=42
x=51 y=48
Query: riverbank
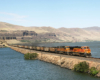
x=64 y=61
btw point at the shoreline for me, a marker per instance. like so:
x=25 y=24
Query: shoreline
x=65 y=61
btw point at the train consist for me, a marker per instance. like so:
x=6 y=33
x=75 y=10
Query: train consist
x=67 y=50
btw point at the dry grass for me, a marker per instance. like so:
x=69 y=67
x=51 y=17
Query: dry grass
x=15 y=42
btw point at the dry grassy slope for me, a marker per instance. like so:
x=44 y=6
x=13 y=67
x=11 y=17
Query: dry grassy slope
x=36 y=29
x=65 y=34
x=7 y=26
x=83 y=34
x=15 y=42
x=93 y=30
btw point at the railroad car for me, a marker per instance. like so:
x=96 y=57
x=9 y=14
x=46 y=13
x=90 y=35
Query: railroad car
x=26 y=47
x=38 y=48
x=46 y=49
x=20 y=46
x=30 y=47
x=34 y=47
x=42 y=48
x=62 y=49
x=15 y=45
x=52 y=49
x=23 y=46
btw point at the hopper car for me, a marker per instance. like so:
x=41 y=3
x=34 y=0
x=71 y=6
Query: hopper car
x=34 y=47
x=30 y=47
x=52 y=49
x=46 y=49
x=26 y=47
x=38 y=48
x=42 y=48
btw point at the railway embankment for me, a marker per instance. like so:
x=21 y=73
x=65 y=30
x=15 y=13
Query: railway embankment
x=65 y=61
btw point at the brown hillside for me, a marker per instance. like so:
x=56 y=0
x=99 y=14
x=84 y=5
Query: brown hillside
x=63 y=34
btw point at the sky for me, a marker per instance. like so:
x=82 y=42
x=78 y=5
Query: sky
x=54 y=13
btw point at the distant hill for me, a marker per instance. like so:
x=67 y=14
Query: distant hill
x=93 y=28
x=62 y=34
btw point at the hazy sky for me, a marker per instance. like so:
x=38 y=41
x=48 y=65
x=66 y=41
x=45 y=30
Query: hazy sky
x=54 y=13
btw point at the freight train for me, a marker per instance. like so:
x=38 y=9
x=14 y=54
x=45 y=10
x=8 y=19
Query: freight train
x=67 y=50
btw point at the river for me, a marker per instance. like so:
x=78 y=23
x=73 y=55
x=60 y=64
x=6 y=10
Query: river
x=14 y=67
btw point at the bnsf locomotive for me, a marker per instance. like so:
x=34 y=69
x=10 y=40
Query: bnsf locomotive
x=67 y=50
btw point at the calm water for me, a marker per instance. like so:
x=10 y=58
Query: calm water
x=94 y=46
x=14 y=67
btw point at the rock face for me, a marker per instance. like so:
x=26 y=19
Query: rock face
x=27 y=35
x=16 y=34
x=64 y=61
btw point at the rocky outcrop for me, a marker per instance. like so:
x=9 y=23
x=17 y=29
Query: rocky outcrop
x=16 y=34
x=64 y=61
x=26 y=35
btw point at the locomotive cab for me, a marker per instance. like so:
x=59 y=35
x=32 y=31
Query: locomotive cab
x=86 y=51
x=75 y=50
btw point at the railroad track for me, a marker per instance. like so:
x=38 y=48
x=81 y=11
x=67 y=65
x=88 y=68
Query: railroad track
x=94 y=58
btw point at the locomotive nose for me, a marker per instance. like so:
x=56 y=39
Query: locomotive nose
x=89 y=51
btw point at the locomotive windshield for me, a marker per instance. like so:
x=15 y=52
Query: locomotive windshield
x=86 y=47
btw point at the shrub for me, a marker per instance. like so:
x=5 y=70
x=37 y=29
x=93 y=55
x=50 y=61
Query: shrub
x=25 y=41
x=93 y=71
x=30 y=56
x=27 y=56
x=81 y=67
